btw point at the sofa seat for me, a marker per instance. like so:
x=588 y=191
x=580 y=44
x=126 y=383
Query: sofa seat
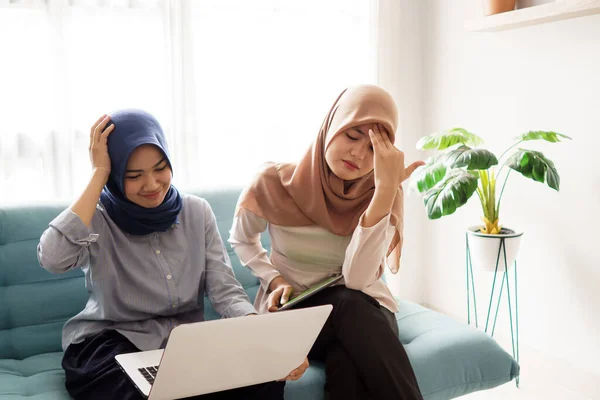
x=450 y=359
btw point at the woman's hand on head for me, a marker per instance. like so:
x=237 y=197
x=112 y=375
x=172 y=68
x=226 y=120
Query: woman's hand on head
x=98 y=145
x=388 y=161
x=281 y=291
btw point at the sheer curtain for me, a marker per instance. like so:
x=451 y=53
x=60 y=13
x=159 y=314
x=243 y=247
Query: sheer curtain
x=234 y=83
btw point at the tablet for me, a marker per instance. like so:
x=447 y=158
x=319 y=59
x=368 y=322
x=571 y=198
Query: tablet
x=309 y=292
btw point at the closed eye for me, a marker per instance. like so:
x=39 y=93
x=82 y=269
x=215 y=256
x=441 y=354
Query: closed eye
x=351 y=137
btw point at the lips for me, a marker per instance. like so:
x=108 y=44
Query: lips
x=152 y=196
x=350 y=165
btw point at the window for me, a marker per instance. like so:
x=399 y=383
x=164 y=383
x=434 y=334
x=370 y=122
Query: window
x=235 y=83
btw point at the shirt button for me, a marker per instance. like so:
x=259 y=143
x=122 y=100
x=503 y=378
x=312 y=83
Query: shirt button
x=169 y=276
x=157 y=251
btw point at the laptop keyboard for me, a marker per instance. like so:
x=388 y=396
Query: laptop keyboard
x=149 y=373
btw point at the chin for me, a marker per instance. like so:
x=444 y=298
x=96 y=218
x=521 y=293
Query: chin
x=344 y=175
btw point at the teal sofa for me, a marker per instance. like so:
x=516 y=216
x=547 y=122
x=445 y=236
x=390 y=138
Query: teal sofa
x=450 y=358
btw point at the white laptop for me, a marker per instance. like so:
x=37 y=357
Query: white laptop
x=212 y=356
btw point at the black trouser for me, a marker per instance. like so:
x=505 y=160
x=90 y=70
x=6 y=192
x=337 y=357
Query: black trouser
x=93 y=374
x=359 y=344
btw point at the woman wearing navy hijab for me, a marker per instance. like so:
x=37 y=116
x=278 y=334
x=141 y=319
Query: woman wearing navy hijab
x=149 y=255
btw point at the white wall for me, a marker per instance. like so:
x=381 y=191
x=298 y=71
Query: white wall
x=398 y=36
x=499 y=85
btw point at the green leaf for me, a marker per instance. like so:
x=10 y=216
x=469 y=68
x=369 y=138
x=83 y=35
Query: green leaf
x=452 y=192
x=427 y=176
x=465 y=156
x=534 y=165
x=548 y=136
x=448 y=139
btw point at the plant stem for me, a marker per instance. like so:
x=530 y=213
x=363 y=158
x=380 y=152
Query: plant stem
x=487 y=201
x=481 y=197
x=502 y=191
x=507 y=150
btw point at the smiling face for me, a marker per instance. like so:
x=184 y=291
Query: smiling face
x=148 y=177
x=350 y=153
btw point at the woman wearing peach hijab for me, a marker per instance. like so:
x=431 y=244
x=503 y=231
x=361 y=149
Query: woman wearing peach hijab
x=338 y=211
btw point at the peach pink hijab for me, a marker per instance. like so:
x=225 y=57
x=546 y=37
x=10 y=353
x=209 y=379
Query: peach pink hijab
x=308 y=193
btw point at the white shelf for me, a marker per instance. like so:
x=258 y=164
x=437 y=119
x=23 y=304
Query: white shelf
x=559 y=10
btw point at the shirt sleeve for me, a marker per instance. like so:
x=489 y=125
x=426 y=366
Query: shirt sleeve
x=245 y=240
x=224 y=291
x=365 y=258
x=65 y=244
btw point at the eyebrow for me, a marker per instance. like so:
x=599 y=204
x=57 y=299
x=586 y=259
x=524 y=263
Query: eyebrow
x=360 y=131
x=141 y=170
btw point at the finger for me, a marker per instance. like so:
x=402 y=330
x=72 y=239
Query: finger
x=385 y=141
x=100 y=128
x=301 y=369
x=287 y=292
x=383 y=129
x=274 y=299
x=412 y=167
x=107 y=131
x=375 y=139
x=383 y=135
x=96 y=124
x=293 y=376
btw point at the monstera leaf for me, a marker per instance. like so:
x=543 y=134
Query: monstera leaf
x=548 y=136
x=452 y=192
x=534 y=165
x=427 y=176
x=448 y=139
x=464 y=156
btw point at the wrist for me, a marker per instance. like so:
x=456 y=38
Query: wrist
x=385 y=194
x=101 y=175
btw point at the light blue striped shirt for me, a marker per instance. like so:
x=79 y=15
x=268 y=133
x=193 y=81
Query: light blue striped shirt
x=143 y=286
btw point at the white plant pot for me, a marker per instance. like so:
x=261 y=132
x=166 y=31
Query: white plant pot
x=484 y=248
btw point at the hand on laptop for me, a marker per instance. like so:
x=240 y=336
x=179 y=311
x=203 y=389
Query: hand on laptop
x=297 y=373
x=280 y=293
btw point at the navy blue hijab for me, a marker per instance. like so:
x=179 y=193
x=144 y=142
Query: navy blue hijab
x=134 y=128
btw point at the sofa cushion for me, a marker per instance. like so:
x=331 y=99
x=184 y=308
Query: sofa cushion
x=36 y=377
x=450 y=358
x=34 y=304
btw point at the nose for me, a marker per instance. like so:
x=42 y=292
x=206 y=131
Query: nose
x=150 y=183
x=359 y=152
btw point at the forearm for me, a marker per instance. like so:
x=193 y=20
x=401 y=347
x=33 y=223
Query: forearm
x=365 y=254
x=245 y=240
x=380 y=206
x=85 y=205
x=65 y=244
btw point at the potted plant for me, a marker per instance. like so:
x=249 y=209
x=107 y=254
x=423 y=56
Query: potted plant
x=461 y=168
